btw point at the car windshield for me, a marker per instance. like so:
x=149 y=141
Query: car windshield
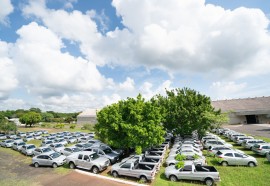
x=86 y=145
x=58 y=145
x=55 y=155
x=47 y=150
x=75 y=149
x=31 y=147
x=20 y=144
x=107 y=150
x=94 y=156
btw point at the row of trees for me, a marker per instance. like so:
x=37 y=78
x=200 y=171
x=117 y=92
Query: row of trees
x=35 y=115
x=137 y=123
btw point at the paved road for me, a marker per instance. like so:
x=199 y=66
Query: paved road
x=252 y=129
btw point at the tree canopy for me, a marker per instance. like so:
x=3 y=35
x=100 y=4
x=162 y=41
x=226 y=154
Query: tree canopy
x=5 y=125
x=186 y=110
x=30 y=118
x=131 y=123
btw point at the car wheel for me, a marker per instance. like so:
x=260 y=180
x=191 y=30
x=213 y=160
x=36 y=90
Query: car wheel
x=173 y=178
x=36 y=165
x=95 y=170
x=143 y=179
x=251 y=164
x=224 y=163
x=54 y=165
x=72 y=165
x=115 y=174
x=171 y=164
x=209 y=182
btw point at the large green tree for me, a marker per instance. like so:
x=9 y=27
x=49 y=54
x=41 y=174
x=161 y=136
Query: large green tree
x=5 y=125
x=131 y=123
x=186 y=110
x=30 y=118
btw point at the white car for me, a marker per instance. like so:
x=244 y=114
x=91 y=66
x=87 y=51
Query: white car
x=53 y=159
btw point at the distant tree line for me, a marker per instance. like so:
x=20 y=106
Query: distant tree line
x=35 y=115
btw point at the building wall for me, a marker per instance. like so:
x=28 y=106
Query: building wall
x=236 y=119
x=86 y=120
x=264 y=118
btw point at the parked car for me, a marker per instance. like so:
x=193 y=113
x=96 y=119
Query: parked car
x=3 y=137
x=261 y=149
x=7 y=143
x=53 y=159
x=28 y=138
x=199 y=161
x=248 y=143
x=46 y=143
x=18 y=145
x=71 y=140
x=209 y=143
x=207 y=174
x=133 y=168
x=28 y=149
x=231 y=157
x=83 y=146
x=88 y=160
x=186 y=151
x=70 y=150
x=241 y=139
x=41 y=150
x=57 y=147
x=107 y=152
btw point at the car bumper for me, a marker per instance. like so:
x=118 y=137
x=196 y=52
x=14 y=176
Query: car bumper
x=259 y=152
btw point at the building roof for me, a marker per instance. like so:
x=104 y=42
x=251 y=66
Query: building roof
x=89 y=113
x=243 y=105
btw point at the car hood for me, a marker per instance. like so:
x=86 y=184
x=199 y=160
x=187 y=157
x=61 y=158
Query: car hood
x=60 y=158
x=112 y=155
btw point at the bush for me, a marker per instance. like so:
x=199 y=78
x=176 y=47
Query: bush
x=180 y=164
x=43 y=125
x=87 y=127
x=59 y=126
x=72 y=126
x=196 y=156
x=180 y=157
x=138 y=149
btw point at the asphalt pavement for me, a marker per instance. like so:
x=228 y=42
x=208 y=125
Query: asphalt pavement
x=252 y=129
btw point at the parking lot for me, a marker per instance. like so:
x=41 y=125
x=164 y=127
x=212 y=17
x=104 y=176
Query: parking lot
x=252 y=129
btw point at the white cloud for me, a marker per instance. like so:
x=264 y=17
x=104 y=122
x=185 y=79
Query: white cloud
x=45 y=70
x=8 y=79
x=108 y=100
x=227 y=90
x=127 y=85
x=6 y=8
x=148 y=91
x=11 y=104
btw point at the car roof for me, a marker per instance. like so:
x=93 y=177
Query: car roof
x=85 y=152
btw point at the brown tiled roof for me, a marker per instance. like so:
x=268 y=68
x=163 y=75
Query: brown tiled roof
x=247 y=104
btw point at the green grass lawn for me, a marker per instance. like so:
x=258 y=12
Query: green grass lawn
x=231 y=175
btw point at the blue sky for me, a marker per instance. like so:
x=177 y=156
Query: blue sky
x=69 y=55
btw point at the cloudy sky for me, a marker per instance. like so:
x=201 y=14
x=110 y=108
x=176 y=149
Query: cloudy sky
x=68 y=55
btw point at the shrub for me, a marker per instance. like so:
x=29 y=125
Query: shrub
x=180 y=164
x=87 y=127
x=72 y=126
x=180 y=157
x=43 y=125
x=196 y=156
x=59 y=126
x=138 y=149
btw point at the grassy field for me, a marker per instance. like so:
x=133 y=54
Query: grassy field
x=231 y=175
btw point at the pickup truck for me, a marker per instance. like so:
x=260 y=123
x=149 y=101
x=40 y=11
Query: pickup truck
x=208 y=174
x=132 y=168
x=144 y=160
x=87 y=160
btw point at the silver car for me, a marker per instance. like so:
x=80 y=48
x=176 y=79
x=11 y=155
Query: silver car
x=248 y=143
x=172 y=161
x=261 y=149
x=18 y=145
x=231 y=157
x=3 y=137
x=53 y=159
x=7 y=143
x=241 y=139
x=70 y=150
x=28 y=149
x=268 y=156
x=57 y=147
x=216 y=142
x=41 y=150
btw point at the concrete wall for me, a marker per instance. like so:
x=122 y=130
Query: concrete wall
x=86 y=120
x=235 y=119
x=264 y=118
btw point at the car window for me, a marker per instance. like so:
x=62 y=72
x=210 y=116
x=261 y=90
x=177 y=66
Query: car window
x=80 y=156
x=219 y=143
x=86 y=157
x=229 y=155
x=55 y=155
x=187 y=168
x=238 y=155
x=126 y=166
x=67 y=149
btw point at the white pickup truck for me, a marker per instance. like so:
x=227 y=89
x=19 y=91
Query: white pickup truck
x=208 y=174
x=132 y=168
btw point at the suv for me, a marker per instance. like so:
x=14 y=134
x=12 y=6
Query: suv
x=232 y=157
x=107 y=152
x=261 y=149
